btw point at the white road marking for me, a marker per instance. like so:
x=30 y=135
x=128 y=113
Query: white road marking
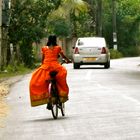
x=88 y=75
x=131 y=99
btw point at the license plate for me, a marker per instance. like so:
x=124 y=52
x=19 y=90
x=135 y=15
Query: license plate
x=89 y=59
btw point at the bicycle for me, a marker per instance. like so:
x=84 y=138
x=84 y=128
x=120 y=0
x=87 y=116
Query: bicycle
x=55 y=102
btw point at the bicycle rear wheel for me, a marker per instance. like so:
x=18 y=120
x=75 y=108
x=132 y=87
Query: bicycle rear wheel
x=54 y=111
x=63 y=109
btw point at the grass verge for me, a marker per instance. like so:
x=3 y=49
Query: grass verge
x=11 y=71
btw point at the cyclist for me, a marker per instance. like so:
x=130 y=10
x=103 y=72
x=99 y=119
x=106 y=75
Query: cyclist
x=39 y=82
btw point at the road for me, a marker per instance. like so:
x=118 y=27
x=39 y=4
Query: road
x=104 y=105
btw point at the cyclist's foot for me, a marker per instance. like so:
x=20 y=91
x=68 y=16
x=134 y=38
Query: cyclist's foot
x=49 y=106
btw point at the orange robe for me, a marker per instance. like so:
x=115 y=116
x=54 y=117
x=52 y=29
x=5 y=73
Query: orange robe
x=39 y=94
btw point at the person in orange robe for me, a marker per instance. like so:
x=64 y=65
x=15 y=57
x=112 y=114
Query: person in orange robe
x=39 y=82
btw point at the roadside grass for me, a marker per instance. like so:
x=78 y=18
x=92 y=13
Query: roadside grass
x=11 y=71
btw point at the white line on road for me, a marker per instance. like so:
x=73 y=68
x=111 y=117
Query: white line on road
x=131 y=99
x=88 y=75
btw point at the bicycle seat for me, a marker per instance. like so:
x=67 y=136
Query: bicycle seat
x=53 y=73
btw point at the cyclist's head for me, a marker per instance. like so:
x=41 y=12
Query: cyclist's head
x=52 y=40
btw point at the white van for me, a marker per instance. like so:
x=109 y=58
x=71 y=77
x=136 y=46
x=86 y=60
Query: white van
x=91 y=51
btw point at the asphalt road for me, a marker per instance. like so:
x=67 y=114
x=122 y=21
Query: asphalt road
x=104 y=105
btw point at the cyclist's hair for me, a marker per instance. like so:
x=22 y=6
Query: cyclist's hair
x=52 y=39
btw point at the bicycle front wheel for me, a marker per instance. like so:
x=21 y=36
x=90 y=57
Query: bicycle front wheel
x=54 y=111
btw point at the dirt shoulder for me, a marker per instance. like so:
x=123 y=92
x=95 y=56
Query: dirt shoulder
x=5 y=84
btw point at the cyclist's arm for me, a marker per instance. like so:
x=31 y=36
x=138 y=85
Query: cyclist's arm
x=67 y=59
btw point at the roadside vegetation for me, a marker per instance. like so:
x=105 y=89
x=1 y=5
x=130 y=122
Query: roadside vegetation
x=32 y=20
x=11 y=70
x=114 y=54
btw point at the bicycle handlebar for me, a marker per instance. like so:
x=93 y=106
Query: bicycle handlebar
x=64 y=61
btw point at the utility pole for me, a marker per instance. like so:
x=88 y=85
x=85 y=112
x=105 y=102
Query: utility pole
x=0 y=35
x=4 y=23
x=114 y=25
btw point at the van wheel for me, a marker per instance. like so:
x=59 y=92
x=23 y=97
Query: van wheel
x=76 y=66
x=107 y=65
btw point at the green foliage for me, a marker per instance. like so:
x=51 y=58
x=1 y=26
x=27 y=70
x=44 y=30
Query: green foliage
x=28 y=24
x=17 y=68
x=115 y=54
x=70 y=13
x=128 y=19
x=59 y=26
x=131 y=51
x=31 y=20
x=128 y=25
x=27 y=53
x=12 y=70
x=85 y=25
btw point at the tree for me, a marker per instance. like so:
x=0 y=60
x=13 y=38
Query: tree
x=28 y=23
x=59 y=26
x=95 y=11
x=70 y=10
x=31 y=20
x=128 y=19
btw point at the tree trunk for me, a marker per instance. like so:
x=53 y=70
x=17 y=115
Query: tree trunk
x=99 y=18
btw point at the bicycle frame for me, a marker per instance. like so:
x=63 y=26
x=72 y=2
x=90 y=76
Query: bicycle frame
x=54 y=96
x=52 y=85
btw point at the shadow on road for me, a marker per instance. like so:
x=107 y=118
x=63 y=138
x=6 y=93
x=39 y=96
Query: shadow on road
x=92 y=67
x=46 y=119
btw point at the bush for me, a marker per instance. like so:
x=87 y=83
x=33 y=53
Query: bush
x=12 y=70
x=15 y=68
x=115 y=54
x=131 y=51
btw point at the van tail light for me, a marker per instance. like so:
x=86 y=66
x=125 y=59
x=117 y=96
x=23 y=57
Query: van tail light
x=104 y=51
x=76 y=51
